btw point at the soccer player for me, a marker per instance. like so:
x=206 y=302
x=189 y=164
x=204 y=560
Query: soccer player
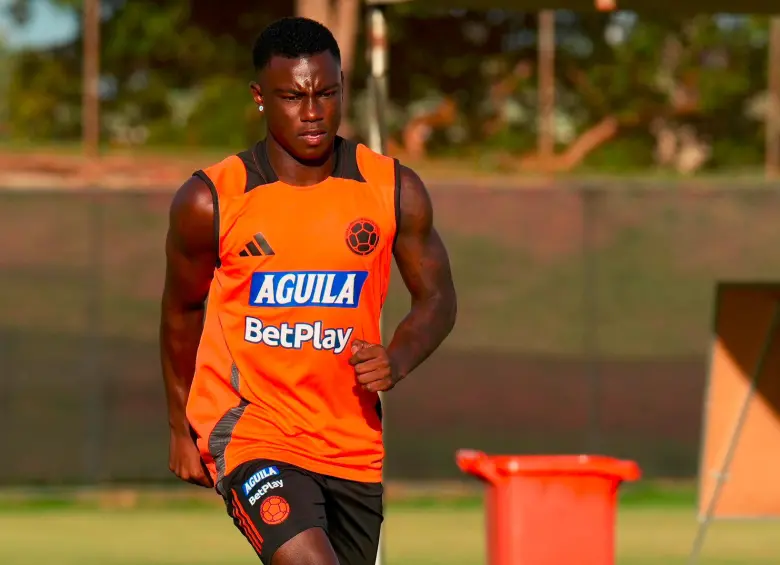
x=278 y=261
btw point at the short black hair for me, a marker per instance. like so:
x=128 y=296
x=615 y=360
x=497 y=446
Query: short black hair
x=293 y=38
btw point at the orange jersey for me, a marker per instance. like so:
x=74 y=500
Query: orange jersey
x=302 y=272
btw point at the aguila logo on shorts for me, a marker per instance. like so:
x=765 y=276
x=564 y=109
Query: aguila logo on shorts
x=332 y=289
x=264 y=489
x=274 y=510
x=261 y=475
x=362 y=236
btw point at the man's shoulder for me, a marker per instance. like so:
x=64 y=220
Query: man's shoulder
x=227 y=176
x=192 y=207
x=376 y=168
x=414 y=204
x=227 y=162
x=364 y=150
x=404 y=173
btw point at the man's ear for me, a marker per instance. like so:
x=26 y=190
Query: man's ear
x=257 y=93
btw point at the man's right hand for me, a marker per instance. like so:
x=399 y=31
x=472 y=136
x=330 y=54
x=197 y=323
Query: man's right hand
x=184 y=460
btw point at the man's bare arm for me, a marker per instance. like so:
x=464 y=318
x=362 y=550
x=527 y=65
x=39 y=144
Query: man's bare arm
x=191 y=255
x=425 y=268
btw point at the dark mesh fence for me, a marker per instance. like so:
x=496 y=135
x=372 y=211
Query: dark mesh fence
x=585 y=317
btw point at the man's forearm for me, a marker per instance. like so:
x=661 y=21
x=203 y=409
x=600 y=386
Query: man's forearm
x=180 y=333
x=421 y=332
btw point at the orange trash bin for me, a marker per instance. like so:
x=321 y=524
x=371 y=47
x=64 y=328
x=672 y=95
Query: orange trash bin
x=549 y=510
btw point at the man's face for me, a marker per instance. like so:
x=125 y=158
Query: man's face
x=301 y=100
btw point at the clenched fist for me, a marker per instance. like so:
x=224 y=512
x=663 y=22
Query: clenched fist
x=373 y=367
x=184 y=460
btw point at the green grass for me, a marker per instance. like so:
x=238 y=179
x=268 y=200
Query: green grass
x=451 y=535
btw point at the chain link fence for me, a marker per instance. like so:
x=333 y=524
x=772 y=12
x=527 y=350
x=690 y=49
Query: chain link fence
x=584 y=326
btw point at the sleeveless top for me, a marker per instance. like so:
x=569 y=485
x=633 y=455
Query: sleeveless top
x=301 y=273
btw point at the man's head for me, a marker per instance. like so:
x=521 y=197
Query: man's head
x=299 y=85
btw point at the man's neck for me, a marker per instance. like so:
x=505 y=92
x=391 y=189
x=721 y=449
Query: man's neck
x=291 y=171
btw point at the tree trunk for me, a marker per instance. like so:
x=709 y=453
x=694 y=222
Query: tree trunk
x=575 y=153
x=586 y=143
x=345 y=28
x=319 y=10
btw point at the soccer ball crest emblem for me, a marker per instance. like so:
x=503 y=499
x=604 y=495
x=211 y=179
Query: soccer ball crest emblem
x=362 y=236
x=274 y=510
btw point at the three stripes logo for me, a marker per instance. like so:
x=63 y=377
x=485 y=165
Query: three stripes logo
x=258 y=247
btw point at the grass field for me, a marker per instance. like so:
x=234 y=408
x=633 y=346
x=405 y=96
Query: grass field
x=432 y=535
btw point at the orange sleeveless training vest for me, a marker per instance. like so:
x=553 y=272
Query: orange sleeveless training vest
x=302 y=272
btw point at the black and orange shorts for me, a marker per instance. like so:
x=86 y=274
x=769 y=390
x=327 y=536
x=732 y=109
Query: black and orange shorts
x=271 y=502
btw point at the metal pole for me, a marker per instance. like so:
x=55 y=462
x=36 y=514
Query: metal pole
x=91 y=79
x=94 y=454
x=546 y=87
x=90 y=121
x=773 y=103
x=591 y=199
x=377 y=83
x=377 y=138
x=731 y=450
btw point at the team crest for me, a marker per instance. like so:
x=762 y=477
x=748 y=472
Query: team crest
x=362 y=236
x=274 y=510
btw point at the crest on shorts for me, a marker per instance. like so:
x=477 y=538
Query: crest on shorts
x=274 y=510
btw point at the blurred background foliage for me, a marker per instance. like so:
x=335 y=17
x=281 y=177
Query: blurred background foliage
x=632 y=92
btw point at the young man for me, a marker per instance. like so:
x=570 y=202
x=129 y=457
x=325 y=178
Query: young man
x=278 y=261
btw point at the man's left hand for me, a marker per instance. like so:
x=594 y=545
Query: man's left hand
x=373 y=367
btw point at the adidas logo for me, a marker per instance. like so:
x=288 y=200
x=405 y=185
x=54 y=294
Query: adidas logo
x=257 y=248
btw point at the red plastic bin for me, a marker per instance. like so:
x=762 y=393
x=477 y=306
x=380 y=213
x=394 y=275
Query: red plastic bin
x=549 y=510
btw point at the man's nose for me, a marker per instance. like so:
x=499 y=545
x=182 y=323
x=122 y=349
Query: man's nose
x=312 y=110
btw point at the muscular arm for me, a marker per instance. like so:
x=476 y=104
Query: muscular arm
x=425 y=268
x=191 y=254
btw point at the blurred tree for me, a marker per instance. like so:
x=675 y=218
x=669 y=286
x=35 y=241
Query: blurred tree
x=680 y=89
x=6 y=73
x=19 y=11
x=150 y=52
x=44 y=100
x=682 y=80
x=443 y=66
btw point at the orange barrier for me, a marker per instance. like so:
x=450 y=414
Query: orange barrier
x=549 y=510
x=740 y=460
